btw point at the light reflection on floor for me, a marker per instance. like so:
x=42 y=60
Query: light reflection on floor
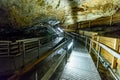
x=80 y=66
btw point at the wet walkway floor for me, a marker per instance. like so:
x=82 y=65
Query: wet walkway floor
x=80 y=65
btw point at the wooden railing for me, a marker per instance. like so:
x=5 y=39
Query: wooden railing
x=24 y=54
x=9 y=48
x=21 y=52
x=89 y=44
x=102 y=59
x=61 y=44
x=4 y=47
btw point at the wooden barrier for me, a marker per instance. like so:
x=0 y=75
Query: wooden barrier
x=9 y=48
x=87 y=33
x=110 y=42
x=109 y=48
x=4 y=47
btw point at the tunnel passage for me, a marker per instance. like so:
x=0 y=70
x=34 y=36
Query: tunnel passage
x=31 y=31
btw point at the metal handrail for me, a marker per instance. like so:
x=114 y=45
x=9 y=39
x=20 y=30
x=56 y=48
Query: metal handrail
x=104 y=62
x=110 y=50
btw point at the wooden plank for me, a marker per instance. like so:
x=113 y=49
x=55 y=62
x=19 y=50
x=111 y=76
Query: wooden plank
x=118 y=64
x=30 y=66
x=3 y=53
x=119 y=45
x=94 y=37
x=69 y=30
x=14 y=52
x=114 y=62
x=110 y=50
x=114 y=59
x=87 y=33
x=14 y=47
x=98 y=38
x=107 y=41
x=112 y=43
x=3 y=48
x=106 y=55
x=118 y=61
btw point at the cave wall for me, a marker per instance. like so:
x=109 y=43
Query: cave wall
x=21 y=13
x=24 y=12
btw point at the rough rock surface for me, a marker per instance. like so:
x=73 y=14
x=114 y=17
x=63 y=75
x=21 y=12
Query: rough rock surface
x=37 y=30
x=21 y=13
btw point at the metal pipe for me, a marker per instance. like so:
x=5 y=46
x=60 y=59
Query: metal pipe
x=113 y=74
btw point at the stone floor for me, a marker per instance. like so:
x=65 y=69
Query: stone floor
x=80 y=65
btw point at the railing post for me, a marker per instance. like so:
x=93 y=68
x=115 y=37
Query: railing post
x=38 y=48
x=90 y=47
x=98 y=57
x=66 y=55
x=98 y=38
x=36 y=75
x=23 y=53
x=86 y=42
x=20 y=44
x=114 y=59
x=9 y=48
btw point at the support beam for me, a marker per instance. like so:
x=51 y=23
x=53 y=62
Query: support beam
x=69 y=30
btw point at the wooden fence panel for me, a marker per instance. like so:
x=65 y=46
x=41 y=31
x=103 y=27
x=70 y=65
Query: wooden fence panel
x=106 y=55
x=112 y=43
x=118 y=64
x=107 y=41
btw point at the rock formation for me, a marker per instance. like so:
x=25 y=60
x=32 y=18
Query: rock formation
x=21 y=13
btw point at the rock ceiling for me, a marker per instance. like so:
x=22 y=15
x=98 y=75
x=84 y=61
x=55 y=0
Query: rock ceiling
x=26 y=12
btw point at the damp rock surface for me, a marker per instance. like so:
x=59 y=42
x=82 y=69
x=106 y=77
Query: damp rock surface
x=36 y=30
x=21 y=13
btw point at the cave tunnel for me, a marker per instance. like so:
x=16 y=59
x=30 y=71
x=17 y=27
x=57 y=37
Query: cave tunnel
x=59 y=40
